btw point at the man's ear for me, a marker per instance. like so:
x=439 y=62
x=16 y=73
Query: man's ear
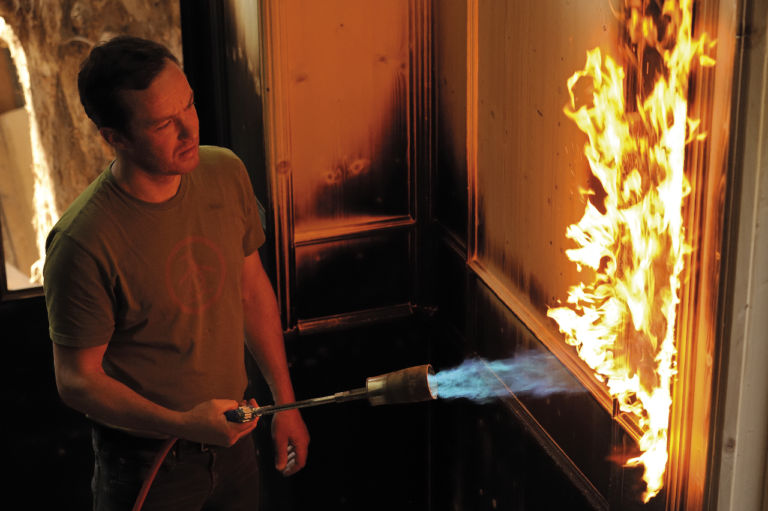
x=113 y=137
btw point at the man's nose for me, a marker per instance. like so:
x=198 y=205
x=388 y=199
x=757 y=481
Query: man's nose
x=188 y=126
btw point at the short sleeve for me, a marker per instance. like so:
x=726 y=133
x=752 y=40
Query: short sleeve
x=78 y=295
x=253 y=236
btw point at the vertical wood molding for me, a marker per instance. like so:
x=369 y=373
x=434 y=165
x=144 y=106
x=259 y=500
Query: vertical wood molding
x=706 y=165
x=473 y=22
x=420 y=139
x=278 y=148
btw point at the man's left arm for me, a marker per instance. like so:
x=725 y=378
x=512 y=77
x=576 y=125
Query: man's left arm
x=264 y=336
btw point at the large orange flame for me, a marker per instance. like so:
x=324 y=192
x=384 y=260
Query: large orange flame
x=622 y=322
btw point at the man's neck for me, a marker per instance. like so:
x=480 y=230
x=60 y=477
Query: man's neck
x=143 y=185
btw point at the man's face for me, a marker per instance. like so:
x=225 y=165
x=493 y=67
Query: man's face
x=162 y=135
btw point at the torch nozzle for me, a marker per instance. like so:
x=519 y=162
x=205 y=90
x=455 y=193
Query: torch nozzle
x=409 y=385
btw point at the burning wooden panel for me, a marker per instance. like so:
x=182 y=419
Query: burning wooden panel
x=528 y=175
x=528 y=155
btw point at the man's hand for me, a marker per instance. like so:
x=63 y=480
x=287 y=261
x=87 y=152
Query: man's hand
x=289 y=433
x=264 y=335
x=206 y=423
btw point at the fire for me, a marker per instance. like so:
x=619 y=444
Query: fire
x=622 y=322
x=45 y=207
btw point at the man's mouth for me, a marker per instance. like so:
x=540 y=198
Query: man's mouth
x=188 y=151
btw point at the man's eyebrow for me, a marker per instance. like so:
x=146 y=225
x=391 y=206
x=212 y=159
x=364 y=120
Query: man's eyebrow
x=153 y=122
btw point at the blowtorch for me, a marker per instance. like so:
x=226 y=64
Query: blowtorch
x=409 y=385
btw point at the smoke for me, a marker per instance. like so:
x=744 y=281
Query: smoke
x=529 y=373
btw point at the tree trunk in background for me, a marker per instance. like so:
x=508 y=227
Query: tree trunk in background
x=56 y=37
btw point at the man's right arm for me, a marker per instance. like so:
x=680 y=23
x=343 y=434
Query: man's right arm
x=81 y=318
x=83 y=385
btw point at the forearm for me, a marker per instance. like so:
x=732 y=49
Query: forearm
x=84 y=385
x=264 y=335
x=111 y=402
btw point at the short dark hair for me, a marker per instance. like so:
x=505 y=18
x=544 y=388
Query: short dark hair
x=122 y=63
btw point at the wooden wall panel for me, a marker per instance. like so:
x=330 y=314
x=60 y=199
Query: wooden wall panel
x=347 y=88
x=529 y=154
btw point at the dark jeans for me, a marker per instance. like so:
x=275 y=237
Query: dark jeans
x=193 y=477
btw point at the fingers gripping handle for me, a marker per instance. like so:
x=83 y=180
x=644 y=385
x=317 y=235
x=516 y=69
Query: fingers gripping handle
x=242 y=414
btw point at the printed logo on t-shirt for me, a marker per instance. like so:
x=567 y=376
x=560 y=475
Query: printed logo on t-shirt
x=194 y=274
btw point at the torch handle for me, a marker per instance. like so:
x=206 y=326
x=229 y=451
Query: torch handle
x=248 y=413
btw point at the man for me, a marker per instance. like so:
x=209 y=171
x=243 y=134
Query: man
x=152 y=276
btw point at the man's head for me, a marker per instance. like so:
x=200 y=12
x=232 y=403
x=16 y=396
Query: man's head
x=138 y=96
x=122 y=63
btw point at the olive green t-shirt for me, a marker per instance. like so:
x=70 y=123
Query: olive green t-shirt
x=159 y=282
